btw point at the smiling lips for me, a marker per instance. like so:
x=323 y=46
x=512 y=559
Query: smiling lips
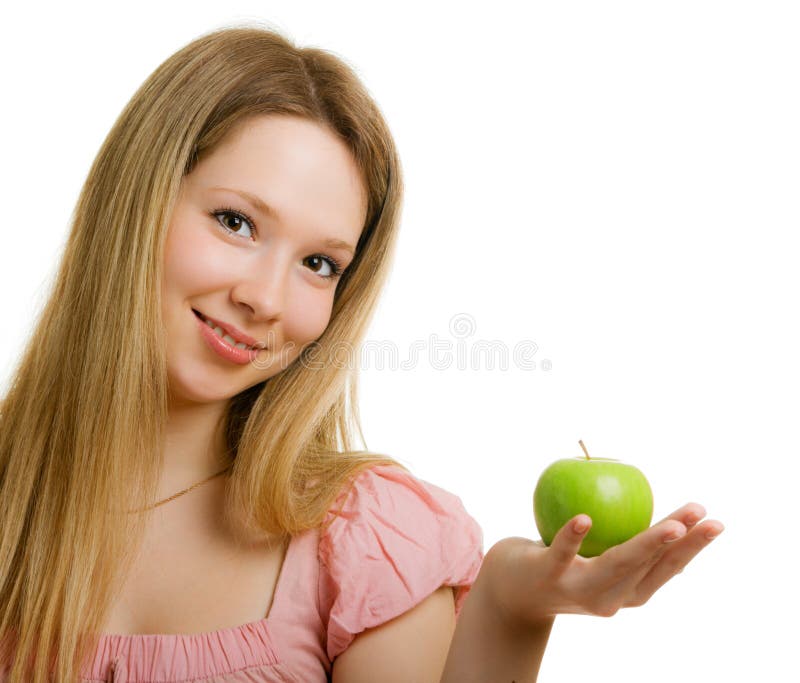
x=223 y=344
x=234 y=334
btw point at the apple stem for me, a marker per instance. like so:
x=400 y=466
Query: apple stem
x=584 y=450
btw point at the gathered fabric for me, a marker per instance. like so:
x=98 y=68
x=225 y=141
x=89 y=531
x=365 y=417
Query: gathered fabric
x=395 y=540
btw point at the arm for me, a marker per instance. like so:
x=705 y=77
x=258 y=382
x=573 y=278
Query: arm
x=414 y=645
x=506 y=619
x=410 y=648
x=504 y=625
x=505 y=622
x=486 y=647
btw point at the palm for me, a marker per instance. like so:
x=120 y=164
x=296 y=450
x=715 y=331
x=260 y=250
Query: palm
x=531 y=581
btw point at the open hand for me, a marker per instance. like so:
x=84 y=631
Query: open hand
x=531 y=582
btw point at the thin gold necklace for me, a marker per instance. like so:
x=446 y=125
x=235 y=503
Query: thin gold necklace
x=180 y=493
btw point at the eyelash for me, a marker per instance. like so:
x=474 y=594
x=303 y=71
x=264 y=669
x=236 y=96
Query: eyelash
x=336 y=267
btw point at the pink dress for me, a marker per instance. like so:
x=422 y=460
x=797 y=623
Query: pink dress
x=396 y=540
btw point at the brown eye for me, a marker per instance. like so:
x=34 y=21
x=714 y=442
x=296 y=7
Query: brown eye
x=231 y=221
x=335 y=268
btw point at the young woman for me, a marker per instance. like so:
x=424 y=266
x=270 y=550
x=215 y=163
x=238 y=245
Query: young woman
x=182 y=498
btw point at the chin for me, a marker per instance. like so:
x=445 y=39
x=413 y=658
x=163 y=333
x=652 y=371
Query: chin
x=192 y=387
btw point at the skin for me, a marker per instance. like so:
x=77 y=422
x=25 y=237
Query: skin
x=522 y=585
x=260 y=277
x=531 y=582
x=269 y=287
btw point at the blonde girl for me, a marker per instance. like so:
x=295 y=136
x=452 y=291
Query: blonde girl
x=183 y=496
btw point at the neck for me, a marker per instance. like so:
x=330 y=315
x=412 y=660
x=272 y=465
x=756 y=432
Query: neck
x=194 y=446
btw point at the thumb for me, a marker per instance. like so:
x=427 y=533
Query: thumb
x=567 y=542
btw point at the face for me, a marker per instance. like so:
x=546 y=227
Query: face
x=255 y=243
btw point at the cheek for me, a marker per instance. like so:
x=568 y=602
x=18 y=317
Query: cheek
x=191 y=262
x=308 y=315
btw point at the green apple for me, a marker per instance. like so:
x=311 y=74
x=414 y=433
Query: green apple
x=617 y=497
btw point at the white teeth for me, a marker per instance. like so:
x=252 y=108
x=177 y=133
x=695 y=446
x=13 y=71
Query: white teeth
x=221 y=334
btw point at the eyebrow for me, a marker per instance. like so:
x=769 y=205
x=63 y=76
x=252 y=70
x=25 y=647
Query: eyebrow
x=267 y=210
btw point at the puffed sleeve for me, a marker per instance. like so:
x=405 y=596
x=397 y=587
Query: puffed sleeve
x=395 y=541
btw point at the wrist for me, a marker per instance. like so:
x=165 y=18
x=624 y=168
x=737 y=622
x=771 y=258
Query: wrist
x=488 y=645
x=497 y=594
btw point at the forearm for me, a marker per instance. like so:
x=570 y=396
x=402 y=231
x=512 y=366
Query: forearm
x=486 y=648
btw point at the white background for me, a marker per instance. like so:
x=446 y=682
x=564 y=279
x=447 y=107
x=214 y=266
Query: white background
x=615 y=182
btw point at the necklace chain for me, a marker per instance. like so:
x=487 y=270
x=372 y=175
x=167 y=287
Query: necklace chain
x=180 y=493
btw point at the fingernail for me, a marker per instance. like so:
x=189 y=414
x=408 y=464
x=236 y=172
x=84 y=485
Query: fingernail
x=672 y=536
x=713 y=533
x=580 y=526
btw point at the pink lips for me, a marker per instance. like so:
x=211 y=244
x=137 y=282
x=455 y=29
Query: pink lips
x=223 y=348
x=237 y=334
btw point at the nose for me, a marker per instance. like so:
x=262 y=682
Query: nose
x=263 y=289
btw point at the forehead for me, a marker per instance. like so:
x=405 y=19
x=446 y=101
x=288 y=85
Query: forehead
x=302 y=170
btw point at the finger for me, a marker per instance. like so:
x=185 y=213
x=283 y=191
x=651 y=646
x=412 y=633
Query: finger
x=625 y=559
x=621 y=592
x=626 y=591
x=675 y=558
x=567 y=542
x=688 y=515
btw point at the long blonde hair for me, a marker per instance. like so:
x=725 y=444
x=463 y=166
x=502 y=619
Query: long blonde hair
x=81 y=423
